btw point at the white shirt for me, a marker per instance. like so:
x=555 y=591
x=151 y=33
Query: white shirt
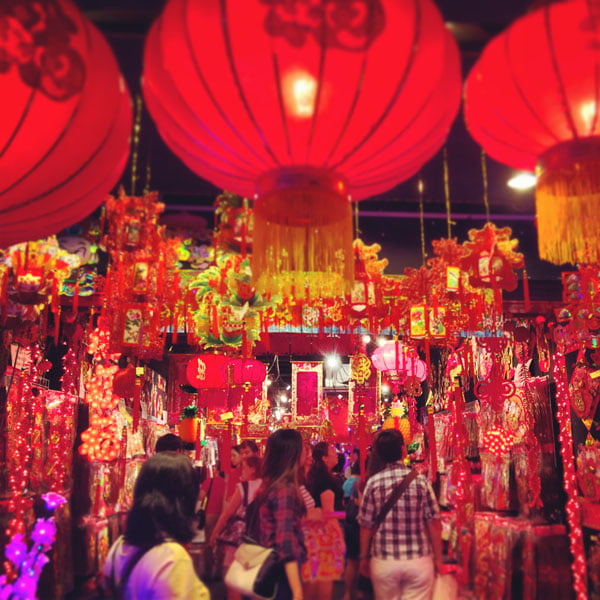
x=165 y=572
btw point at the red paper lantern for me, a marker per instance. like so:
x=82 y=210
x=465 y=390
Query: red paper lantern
x=394 y=357
x=248 y=370
x=531 y=101
x=124 y=382
x=65 y=119
x=208 y=371
x=302 y=107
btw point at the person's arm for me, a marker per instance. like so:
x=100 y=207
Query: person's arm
x=230 y=508
x=365 y=544
x=327 y=503
x=434 y=526
x=293 y=576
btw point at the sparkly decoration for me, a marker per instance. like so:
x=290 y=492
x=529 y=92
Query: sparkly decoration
x=572 y=507
x=99 y=440
x=498 y=441
x=28 y=562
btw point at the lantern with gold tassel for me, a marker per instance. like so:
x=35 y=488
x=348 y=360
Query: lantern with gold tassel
x=302 y=114
x=531 y=101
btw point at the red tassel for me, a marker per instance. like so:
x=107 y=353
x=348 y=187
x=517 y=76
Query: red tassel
x=56 y=325
x=76 y=298
x=137 y=394
x=526 y=297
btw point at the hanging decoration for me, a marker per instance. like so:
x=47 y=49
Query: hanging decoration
x=375 y=126
x=142 y=289
x=66 y=123
x=229 y=311
x=27 y=561
x=100 y=441
x=531 y=102
x=188 y=424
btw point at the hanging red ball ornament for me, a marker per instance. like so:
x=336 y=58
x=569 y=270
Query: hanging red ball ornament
x=248 y=370
x=302 y=107
x=531 y=101
x=65 y=122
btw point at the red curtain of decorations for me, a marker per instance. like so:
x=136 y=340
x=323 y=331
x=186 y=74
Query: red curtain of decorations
x=64 y=126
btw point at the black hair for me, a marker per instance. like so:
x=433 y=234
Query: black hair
x=164 y=499
x=282 y=458
x=388 y=445
x=169 y=443
x=339 y=467
x=251 y=445
x=319 y=476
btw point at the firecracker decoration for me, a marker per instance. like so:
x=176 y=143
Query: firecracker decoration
x=100 y=440
x=234 y=224
x=228 y=309
x=27 y=561
x=572 y=507
x=142 y=284
x=188 y=424
x=491 y=258
x=25 y=407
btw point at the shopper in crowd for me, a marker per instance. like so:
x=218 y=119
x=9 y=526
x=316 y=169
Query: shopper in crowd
x=149 y=560
x=274 y=517
x=406 y=549
x=231 y=525
x=213 y=489
x=351 y=529
x=169 y=443
x=327 y=549
x=235 y=473
x=248 y=448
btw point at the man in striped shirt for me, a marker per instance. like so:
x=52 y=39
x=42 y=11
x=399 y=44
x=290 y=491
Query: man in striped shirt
x=406 y=549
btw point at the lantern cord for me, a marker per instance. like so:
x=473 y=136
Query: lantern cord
x=357 y=231
x=447 y=193
x=148 y=174
x=137 y=126
x=484 y=177
x=422 y=220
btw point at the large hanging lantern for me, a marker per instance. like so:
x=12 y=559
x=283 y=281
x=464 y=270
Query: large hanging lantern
x=396 y=358
x=531 y=101
x=65 y=119
x=303 y=108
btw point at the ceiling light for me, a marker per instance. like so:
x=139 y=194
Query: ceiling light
x=522 y=181
x=333 y=361
x=366 y=339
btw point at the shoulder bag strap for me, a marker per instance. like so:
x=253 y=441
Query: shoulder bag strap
x=393 y=498
x=206 y=498
x=120 y=588
x=245 y=485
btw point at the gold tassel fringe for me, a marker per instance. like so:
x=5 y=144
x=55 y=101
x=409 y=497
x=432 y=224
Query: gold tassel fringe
x=568 y=203
x=302 y=239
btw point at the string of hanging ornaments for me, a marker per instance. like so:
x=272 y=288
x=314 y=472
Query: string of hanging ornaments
x=64 y=126
x=531 y=101
x=303 y=112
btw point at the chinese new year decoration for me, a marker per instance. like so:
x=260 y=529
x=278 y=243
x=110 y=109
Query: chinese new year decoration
x=66 y=123
x=322 y=129
x=531 y=102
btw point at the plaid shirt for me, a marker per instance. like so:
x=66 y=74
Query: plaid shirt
x=403 y=534
x=279 y=523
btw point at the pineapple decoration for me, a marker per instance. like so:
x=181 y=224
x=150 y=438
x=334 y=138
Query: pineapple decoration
x=398 y=419
x=188 y=424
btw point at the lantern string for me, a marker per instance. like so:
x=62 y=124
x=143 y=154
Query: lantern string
x=357 y=231
x=420 y=188
x=447 y=193
x=148 y=174
x=484 y=177
x=137 y=126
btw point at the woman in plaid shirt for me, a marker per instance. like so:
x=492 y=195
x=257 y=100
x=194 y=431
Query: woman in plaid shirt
x=406 y=549
x=281 y=508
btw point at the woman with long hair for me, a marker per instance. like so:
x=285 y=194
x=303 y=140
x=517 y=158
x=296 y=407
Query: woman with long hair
x=149 y=560
x=274 y=517
x=325 y=541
